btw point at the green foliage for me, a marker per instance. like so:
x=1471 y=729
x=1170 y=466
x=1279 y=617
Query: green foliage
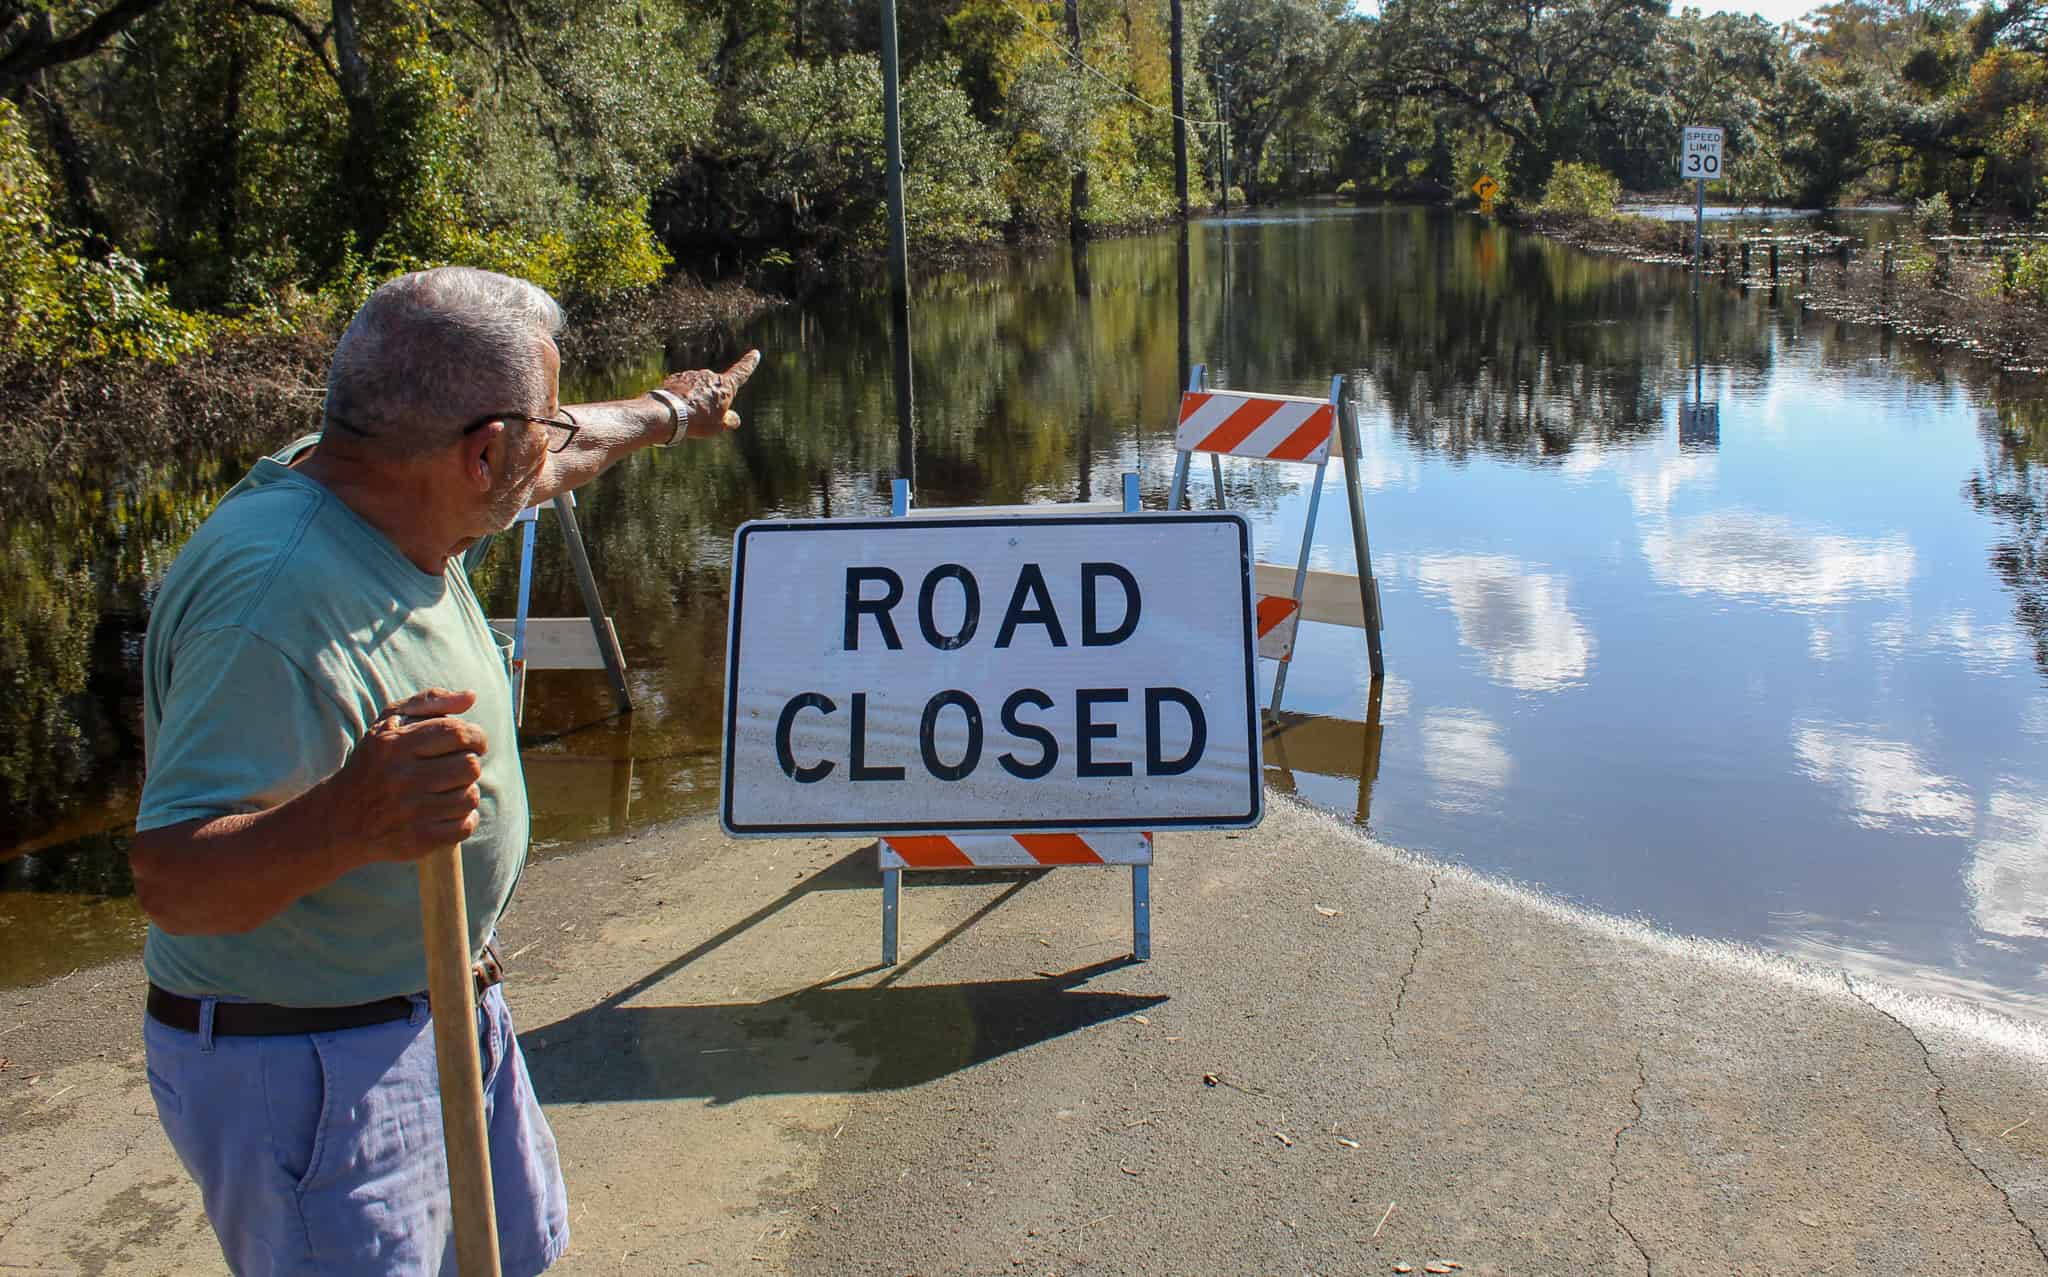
x=1933 y=215
x=1481 y=152
x=1585 y=189
x=809 y=150
x=947 y=157
x=2026 y=276
x=227 y=165
x=64 y=306
x=1542 y=74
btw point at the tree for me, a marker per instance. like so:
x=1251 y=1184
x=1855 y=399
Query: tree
x=1726 y=70
x=1545 y=73
x=30 y=43
x=1280 y=57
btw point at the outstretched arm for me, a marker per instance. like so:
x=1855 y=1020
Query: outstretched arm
x=613 y=430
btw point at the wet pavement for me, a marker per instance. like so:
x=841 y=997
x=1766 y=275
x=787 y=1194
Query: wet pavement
x=1341 y=1058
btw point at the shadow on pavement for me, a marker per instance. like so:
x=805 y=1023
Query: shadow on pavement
x=820 y=1039
x=815 y=1040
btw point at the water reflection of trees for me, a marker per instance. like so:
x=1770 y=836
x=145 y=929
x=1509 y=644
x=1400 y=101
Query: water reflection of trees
x=1472 y=340
x=1477 y=340
x=78 y=563
x=2012 y=489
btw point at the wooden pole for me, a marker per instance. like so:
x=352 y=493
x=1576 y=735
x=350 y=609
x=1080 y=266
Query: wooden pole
x=451 y=993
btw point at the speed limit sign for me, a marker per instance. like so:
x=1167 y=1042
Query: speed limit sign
x=1699 y=159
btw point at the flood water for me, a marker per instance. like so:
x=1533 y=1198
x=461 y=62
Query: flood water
x=1783 y=681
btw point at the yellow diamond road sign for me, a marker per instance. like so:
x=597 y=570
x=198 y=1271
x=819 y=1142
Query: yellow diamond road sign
x=1486 y=188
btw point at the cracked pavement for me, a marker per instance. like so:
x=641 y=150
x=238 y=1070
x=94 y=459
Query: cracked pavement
x=1409 y=1064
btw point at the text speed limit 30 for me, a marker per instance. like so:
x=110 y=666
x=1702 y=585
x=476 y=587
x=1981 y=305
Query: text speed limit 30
x=1699 y=156
x=960 y=674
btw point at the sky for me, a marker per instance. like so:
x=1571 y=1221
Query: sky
x=1772 y=11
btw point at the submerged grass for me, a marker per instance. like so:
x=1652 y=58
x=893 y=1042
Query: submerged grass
x=1957 y=291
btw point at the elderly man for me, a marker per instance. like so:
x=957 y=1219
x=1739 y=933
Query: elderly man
x=323 y=705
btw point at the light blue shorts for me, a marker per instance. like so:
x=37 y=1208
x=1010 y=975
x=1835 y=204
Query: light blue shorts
x=322 y=1153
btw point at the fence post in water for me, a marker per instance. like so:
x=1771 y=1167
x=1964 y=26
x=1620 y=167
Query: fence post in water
x=1745 y=257
x=1774 y=261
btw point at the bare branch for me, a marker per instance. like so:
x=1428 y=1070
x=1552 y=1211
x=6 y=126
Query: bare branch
x=315 y=41
x=41 y=48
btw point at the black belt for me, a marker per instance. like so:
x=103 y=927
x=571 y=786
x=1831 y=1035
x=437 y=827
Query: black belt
x=262 y=1019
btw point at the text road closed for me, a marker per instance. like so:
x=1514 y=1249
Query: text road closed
x=955 y=674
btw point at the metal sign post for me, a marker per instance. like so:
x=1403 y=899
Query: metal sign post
x=1699 y=159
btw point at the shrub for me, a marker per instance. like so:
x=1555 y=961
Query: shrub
x=1237 y=197
x=2027 y=275
x=65 y=307
x=1933 y=214
x=1347 y=189
x=1585 y=189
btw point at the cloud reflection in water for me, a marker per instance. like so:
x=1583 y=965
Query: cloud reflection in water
x=1885 y=781
x=1516 y=619
x=1761 y=556
x=1463 y=754
x=2008 y=878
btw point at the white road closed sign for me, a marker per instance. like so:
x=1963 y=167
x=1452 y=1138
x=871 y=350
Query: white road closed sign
x=1699 y=155
x=952 y=675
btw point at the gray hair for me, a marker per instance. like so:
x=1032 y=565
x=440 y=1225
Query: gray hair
x=436 y=348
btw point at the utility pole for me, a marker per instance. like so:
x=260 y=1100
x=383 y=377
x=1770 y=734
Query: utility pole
x=1077 y=224
x=899 y=250
x=1180 y=122
x=1223 y=135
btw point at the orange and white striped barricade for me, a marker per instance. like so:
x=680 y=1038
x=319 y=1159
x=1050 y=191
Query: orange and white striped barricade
x=561 y=642
x=1097 y=847
x=1233 y=423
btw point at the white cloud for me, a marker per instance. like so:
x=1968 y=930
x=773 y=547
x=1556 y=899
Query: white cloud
x=1516 y=619
x=1653 y=479
x=1820 y=641
x=1885 y=781
x=1890 y=635
x=1651 y=475
x=1986 y=649
x=1463 y=754
x=1765 y=557
x=2008 y=878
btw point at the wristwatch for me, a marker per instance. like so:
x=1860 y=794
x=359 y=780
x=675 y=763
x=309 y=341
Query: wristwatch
x=676 y=414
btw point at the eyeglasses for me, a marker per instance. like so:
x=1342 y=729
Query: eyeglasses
x=560 y=432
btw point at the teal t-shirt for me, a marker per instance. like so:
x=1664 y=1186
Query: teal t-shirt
x=284 y=629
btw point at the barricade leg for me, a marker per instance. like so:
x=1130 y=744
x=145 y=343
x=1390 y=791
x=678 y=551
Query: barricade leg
x=586 y=582
x=532 y=522
x=892 y=890
x=1141 y=912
